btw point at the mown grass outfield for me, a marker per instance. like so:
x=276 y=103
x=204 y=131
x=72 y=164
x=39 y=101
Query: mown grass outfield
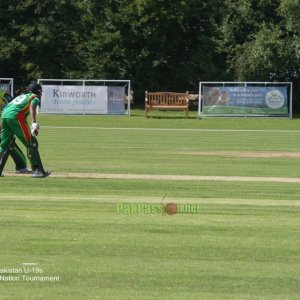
x=243 y=244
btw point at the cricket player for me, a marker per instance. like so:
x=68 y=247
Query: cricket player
x=16 y=153
x=14 y=123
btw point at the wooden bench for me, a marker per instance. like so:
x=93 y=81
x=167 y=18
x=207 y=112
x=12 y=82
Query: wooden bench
x=166 y=101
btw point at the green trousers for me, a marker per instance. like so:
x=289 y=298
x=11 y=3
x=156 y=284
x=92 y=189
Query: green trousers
x=20 y=129
x=18 y=157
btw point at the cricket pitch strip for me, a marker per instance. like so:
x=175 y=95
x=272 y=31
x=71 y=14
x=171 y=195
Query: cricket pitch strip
x=164 y=177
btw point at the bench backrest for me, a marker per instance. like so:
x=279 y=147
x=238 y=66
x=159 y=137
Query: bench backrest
x=167 y=98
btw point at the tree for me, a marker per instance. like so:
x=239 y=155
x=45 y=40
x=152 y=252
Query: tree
x=160 y=45
x=261 y=40
x=39 y=38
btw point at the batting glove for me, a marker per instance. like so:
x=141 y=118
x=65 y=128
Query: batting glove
x=35 y=128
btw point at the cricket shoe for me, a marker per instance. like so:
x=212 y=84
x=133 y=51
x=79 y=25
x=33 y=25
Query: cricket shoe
x=40 y=174
x=23 y=171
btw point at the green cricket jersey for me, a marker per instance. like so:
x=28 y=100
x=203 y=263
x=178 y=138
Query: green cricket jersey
x=19 y=107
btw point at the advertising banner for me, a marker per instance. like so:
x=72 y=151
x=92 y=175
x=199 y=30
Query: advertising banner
x=245 y=100
x=70 y=99
x=116 y=99
x=6 y=84
x=5 y=87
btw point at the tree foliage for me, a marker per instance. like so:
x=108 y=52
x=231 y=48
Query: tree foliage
x=159 y=45
x=260 y=39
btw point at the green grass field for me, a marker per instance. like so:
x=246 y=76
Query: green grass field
x=64 y=238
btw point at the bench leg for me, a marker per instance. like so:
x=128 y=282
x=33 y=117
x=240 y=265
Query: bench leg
x=187 y=112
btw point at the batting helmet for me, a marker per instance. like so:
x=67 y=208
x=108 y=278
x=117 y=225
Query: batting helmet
x=35 y=88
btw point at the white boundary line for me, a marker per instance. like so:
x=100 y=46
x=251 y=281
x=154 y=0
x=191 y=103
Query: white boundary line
x=173 y=129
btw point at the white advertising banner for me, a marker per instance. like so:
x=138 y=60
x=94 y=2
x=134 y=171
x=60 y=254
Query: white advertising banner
x=5 y=87
x=115 y=100
x=70 y=99
x=6 y=84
